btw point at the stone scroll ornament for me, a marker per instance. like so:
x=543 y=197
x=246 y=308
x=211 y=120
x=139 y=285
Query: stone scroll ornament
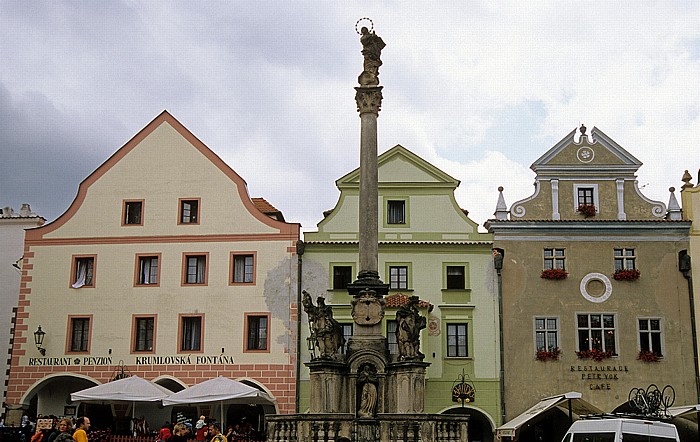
x=409 y=325
x=372 y=46
x=326 y=332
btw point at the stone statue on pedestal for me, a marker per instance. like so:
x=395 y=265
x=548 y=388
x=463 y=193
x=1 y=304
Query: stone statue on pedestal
x=367 y=379
x=410 y=323
x=326 y=332
x=372 y=46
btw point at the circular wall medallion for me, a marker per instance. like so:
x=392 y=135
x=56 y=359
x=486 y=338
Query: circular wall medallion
x=593 y=278
x=585 y=154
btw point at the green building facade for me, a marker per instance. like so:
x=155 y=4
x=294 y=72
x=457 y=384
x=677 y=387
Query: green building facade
x=428 y=247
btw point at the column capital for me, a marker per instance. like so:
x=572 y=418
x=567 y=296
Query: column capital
x=369 y=99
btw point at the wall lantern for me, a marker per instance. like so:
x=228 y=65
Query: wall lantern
x=39 y=340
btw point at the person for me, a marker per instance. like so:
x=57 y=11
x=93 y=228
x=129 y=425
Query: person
x=82 y=425
x=200 y=429
x=164 y=434
x=63 y=432
x=215 y=432
x=38 y=436
x=179 y=433
x=229 y=432
x=244 y=430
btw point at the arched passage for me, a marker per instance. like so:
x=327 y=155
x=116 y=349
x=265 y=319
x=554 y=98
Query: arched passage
x=52 y=394
x=481 y=426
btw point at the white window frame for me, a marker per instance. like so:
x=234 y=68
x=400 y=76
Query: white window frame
x=596 y=200
x=546 y=330
x=661 y=333
x=615 y=328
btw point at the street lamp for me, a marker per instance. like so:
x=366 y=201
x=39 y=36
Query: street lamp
x=39 y=340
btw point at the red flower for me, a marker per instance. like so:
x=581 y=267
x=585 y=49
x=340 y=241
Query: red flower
x=554 y=274
x=586 y=210
x=546 y=355
x=648 y=356
x=595 y=354
x=626 y=275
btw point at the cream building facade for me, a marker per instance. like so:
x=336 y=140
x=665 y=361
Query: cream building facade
x=430 y=248
x=162 y=267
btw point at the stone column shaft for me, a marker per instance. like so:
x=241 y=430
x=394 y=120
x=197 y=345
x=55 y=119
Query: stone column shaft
x=369 y=194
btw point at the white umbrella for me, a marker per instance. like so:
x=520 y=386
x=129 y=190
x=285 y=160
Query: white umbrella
x=132 y=389
x=222 y=390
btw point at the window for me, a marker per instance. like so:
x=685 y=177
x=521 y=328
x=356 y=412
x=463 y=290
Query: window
x=144 y=328
x=342 y=276
x=347 y=333
x=132 y=213
x=257 y=332
x=585 y=195
x=396 y=212
x=243 y=268
x=189 y=211
x=546 y=334
x=398 y=278
x=147 y=270
x=650 y=335
x=391 y=340
x=596 y=331
x=79 y=334
x=83 y=273
x=554 y=259
x=455 y=277
x=191 y=333
x=625 y=259
x=195 y=269
x=457 y=341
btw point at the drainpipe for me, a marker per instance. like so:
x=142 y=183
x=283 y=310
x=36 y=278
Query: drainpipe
x=300 y=253
x=498 y=265
x=684 y=267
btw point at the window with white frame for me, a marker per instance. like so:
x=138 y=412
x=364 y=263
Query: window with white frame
x=147 y=270
x=195 y=269
x=398 y=277
x=586 y=194
x=650 y=335
x=243 y=269
x=457 y=341
x=83 y=272
x=596 y=331
x=546 y=333
x=554 y=259
x=625 y=259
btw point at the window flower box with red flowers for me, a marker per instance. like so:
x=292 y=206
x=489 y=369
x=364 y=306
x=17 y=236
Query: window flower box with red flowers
x=595 y=354
x=548 y=355
x=586 y=210
x=554 y=274
x=648 y=356
x=626 y=275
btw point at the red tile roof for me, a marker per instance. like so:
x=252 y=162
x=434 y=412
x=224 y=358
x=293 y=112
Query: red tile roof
x=268 y=209
x=399 y=300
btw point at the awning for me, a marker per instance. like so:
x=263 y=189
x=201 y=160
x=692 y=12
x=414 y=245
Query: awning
x=689 y=412
x=578 y=407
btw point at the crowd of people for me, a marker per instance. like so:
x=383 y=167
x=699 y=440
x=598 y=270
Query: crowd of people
x=65 y=430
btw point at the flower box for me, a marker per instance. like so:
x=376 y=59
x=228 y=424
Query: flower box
x=554 y=274
x=626 y=275
x=595 y=354
x=648 y=356
x=548 y=355
x=586 y=210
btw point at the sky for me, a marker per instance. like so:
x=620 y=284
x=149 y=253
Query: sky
x=480 y=89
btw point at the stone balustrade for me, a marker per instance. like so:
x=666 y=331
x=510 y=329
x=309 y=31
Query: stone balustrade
x=345 y=427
